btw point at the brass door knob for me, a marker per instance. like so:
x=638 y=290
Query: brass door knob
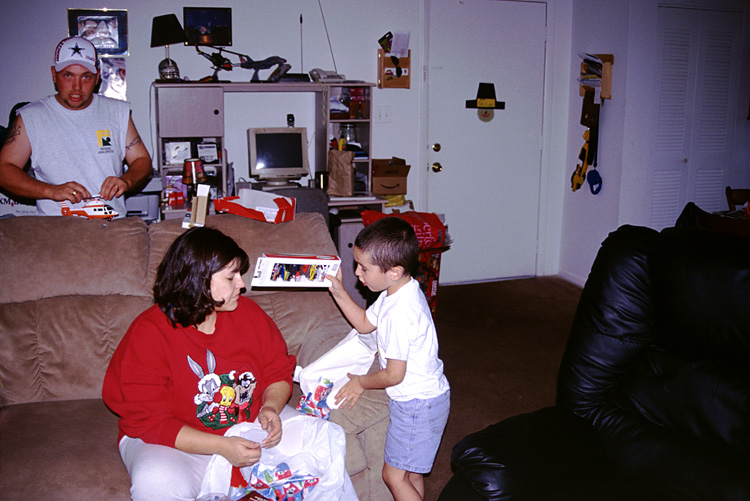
x=436 y=167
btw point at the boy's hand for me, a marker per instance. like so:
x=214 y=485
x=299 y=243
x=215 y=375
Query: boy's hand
x=337 y=284
x=350 y=392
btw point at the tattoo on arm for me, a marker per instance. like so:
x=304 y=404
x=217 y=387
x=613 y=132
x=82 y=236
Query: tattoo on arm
x=135 y=141
x=13 y=134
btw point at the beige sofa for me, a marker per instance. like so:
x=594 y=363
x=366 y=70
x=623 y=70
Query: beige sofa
x=71 y=287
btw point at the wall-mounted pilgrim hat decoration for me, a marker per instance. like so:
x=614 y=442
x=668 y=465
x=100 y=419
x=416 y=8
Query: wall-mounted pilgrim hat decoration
x=486 y=98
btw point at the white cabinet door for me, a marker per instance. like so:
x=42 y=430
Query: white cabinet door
x=698 y=94
x=489 y=184
x=190 y=111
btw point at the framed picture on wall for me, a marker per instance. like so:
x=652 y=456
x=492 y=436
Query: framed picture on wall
x=107 y=29
x=208 y=25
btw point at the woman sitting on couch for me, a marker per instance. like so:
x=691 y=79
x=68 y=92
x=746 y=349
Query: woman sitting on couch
x=202 y=359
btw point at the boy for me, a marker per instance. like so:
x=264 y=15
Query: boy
x=386 y=253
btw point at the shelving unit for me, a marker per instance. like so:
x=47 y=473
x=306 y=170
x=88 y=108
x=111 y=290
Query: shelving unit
x=357 y=97
x=606 y=79
x=194 y=113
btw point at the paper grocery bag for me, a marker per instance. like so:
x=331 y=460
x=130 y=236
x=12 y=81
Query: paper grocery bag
x=340 y=173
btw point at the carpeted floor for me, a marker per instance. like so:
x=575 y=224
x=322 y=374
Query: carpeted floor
x=501 y=343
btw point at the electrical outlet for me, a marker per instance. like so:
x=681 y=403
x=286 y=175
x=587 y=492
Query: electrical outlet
x=383 y=114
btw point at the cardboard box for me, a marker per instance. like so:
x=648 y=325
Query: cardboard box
x=428 y=275
x=292 y=270
x=389 y=176
x=197 y=214
x=12 y=207
x=260 y=205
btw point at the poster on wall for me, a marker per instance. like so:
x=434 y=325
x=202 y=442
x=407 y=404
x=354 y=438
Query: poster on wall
x=113 y=83
x=107 y=29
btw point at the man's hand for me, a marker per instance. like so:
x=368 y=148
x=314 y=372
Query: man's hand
x=240 y=452
x=70 y=191
x=113 y=187
x=271 y=422
x=350 y=392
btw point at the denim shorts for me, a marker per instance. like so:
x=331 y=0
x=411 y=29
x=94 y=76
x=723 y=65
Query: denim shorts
x=414 y=432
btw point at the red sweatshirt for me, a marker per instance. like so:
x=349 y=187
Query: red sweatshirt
x=161 y=378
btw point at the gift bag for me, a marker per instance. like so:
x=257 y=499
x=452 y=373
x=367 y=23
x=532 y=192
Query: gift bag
x=430 y=231
x=340 y=173
x=308 y=464
x=324 y=377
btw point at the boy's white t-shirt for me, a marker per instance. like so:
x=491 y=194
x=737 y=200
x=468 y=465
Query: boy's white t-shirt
x=405 y=331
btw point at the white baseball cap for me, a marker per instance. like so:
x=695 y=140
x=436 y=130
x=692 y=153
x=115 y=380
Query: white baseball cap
x=75 y=50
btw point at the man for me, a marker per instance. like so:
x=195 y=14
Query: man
x=76 y=140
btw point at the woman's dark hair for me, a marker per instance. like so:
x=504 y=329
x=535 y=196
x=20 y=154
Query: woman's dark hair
x=391 y=242
x=183 y=280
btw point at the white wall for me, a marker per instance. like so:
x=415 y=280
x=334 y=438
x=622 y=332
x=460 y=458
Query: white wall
x=588 y=218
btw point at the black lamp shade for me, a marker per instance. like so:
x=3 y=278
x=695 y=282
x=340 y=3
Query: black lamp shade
x=166 y=30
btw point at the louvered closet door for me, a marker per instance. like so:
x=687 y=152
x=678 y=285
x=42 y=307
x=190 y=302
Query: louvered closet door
x=698 y=84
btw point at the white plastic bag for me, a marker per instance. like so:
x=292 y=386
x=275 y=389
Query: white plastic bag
x=324 y=377
x=310 y=448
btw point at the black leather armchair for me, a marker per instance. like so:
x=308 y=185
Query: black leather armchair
x=653 y=392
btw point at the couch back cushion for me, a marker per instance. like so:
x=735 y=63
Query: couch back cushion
x=60 y=256
x=661 y=338
x=699 y=361
x=71 y=287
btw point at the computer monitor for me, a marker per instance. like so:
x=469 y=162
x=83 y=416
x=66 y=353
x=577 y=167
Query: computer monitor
x=278 y=155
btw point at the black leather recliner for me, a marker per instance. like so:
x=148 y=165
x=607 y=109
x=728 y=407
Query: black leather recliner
x=653 y=392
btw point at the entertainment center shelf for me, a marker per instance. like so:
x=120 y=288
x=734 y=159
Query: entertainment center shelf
x=190 y=115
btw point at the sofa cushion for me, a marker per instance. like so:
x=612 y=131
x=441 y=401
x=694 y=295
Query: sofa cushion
x=59 y=348
x=72 y=256
x=61 y=451
x=321 y=320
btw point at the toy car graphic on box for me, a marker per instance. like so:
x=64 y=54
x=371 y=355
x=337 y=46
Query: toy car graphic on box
x=93 y=208
x=291 y=270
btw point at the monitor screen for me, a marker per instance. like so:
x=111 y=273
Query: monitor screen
x=278 y=154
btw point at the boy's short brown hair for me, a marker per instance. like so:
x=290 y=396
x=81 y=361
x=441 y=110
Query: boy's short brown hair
x=391 y=242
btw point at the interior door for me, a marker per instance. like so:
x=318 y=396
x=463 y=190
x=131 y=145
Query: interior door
x=487 y=180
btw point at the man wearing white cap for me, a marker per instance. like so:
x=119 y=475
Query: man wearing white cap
x=76 y=140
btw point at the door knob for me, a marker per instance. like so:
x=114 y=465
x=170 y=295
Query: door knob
x=436 y=167
x=436 y=147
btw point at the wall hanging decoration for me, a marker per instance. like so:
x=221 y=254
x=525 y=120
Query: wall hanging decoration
x=393 y=72
x=486 y=102
x=595 y=86
x=107 y=29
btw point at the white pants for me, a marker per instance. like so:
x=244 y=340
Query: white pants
x=158 y=472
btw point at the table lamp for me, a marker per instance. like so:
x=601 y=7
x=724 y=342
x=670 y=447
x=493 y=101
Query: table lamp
x=192 y=175
x=166 y=30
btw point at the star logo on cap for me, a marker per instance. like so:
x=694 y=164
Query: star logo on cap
x=76 y=50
